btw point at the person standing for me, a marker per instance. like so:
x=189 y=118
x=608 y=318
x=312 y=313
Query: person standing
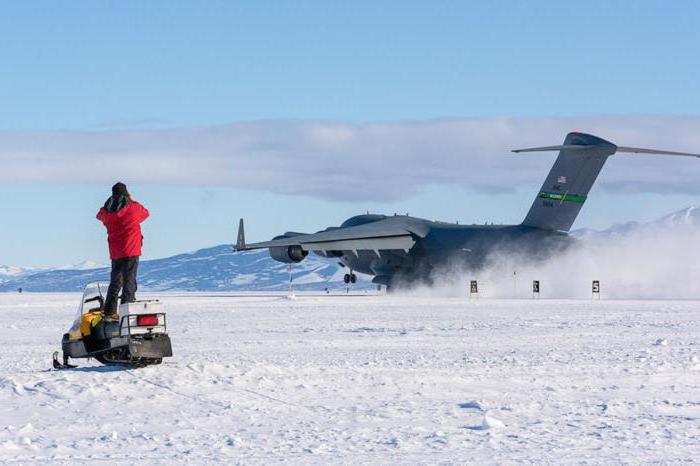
x=122 y=216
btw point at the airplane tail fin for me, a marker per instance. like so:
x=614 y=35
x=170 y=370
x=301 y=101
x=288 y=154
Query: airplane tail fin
x=580 y=160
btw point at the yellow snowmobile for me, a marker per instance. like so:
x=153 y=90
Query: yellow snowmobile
x=139 y=338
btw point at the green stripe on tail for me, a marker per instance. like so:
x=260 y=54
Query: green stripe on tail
x=564 y=197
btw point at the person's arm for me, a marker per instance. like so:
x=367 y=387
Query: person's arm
x=140 y=212
x=101 y=215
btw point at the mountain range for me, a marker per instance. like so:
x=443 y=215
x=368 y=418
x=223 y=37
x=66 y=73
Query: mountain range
x=211 y=269
x=682 y=219
x=218 y=269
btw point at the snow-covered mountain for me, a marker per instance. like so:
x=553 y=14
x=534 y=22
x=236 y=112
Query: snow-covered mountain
x=9 y=271
x=686 y=217
x=211 y=269
x=682 y=219
x=218 y=269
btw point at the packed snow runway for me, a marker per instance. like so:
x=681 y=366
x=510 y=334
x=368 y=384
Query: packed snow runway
x=368 y=379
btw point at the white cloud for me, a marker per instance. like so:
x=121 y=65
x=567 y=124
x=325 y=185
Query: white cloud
x=369 y=161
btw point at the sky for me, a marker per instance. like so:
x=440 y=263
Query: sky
x=296 y=115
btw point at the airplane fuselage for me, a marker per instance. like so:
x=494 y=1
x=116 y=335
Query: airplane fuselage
x=445 y=245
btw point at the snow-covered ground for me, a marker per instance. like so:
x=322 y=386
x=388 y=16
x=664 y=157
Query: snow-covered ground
x=363 y=379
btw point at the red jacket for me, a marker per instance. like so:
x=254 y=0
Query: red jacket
x=124 y=229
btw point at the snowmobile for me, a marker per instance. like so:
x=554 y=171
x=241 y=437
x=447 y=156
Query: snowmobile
x=138 y=338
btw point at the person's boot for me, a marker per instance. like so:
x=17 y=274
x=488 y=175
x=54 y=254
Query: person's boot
x=111 y=317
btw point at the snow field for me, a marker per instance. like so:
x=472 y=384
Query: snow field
x=371 y=379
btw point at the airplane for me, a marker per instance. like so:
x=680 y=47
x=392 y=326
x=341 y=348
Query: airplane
x=399 y=249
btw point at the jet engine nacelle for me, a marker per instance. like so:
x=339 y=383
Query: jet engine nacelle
x=288 y=254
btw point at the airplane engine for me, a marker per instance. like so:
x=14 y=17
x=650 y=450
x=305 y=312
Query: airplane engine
x=288 y=254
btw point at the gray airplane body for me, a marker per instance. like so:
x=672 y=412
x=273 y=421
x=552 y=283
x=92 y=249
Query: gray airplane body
x=396 y=249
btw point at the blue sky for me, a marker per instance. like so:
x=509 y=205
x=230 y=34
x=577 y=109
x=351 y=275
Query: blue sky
x=110 y=68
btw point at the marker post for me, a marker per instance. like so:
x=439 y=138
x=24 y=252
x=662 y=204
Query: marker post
x=473 y=289
x=291 y=289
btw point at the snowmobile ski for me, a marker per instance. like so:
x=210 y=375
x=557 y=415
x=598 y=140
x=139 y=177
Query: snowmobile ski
x=61 y=365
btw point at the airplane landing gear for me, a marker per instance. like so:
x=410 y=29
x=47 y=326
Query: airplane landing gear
x=350 y=278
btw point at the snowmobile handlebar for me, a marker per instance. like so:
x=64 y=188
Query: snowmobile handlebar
x=96 y=298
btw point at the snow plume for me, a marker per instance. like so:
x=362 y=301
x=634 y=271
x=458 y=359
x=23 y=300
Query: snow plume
x=647 y=263
x=376 y=161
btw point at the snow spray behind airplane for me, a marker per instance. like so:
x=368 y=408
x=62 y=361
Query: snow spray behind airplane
x=650 y=263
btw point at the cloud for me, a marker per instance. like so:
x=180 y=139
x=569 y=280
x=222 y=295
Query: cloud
x=380 y=161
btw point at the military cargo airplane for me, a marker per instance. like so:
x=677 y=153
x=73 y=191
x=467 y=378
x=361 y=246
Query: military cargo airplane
x=402 y=249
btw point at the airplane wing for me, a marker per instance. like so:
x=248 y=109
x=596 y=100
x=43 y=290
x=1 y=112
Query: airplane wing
x=371 y=236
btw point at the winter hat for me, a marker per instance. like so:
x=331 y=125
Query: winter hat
x=119 y=189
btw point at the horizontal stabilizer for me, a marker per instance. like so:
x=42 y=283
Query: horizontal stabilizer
x=553 y=148
x=639 y=150
x=583 y=147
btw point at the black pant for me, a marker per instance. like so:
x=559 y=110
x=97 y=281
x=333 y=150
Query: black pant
x=123 y=275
